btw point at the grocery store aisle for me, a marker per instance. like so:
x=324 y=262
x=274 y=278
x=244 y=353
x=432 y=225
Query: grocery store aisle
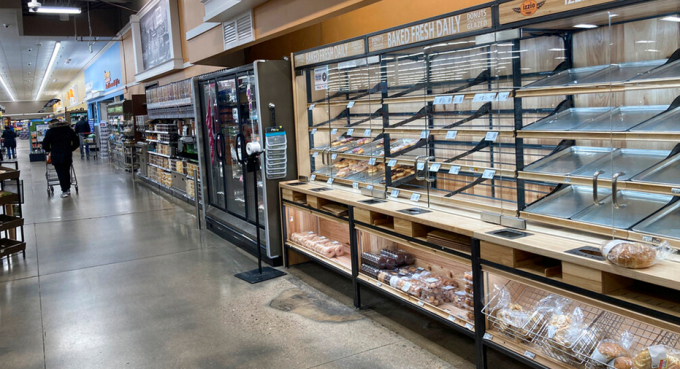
x=118 y=276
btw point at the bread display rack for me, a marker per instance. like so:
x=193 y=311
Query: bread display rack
x=472 y=166
x=11 y=199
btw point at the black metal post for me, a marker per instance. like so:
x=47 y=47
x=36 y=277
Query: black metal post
x=354 y=256
x=478 y=297
x=519 y=142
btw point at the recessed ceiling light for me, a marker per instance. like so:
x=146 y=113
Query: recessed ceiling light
x=672 y=18
x=585 y=25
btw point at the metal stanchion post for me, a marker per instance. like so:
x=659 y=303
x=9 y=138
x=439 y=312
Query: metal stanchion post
x=196 y=201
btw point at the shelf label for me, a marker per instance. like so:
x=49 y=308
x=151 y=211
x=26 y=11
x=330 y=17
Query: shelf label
x=350 y=131
x=392 y=163
x=488 y=174
x=330 y=181
x=484 y=97
x=378 y=284
x=675 y=191
x=371 y=161
x=350 y=104
x=314 y=131
x=503 y=96
x=415 y=197
x=442 y=100
x=334 y=131
x=451 y=135
x=468 y=326
x=488 y=336
x=451 y=318
x=367 y=132
x=424 y=134
x=316 y=153
x=491 y=136
x=312 y=177
x=420 y=303
x=567 y=180
x=355 y=185
x=369 y=187
x=334 y=156
x=311 y=107
x=435 y=167
x=529 y=354
x=455 y=169
x=458 y=99
x=420 y=166
x=394 y=193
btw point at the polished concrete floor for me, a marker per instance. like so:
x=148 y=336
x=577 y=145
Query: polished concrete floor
x=118 y=276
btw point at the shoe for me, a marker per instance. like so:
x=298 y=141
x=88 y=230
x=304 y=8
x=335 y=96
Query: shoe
x=65 y=195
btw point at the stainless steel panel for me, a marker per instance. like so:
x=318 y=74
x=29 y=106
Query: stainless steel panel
x=667 y=122
x=568 y=77
x=566 y=202
x=664 y=223
x=568 y=160
x=667 y=172
x=638 y=205
x=566 y=120
x=629 y=161
x=622 y=119
x=622 y=72
x=669 y=71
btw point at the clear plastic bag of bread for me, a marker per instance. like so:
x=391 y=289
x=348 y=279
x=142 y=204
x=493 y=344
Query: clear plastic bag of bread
x=660 y=356
x=509 y=316
x=540 y=315
x=613 y=353
x=634 y=255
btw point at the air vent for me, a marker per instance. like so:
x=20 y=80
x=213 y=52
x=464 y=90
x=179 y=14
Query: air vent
x=238 y=31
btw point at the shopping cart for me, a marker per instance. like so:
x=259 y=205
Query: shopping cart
x=89 y=139
x=53 y=179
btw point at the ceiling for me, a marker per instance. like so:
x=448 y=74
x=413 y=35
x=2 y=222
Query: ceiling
x=24 y=59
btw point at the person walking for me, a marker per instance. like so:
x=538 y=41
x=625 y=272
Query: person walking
x=9 y=141
x=83 y=129
x=60 y=141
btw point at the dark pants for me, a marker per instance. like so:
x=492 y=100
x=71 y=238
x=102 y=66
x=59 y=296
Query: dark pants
x=64 y=174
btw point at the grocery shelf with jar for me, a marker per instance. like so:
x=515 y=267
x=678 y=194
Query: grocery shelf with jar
x=543 y=140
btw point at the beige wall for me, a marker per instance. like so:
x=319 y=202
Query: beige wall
x=22 y=107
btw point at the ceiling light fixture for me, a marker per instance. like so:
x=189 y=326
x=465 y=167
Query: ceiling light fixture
x=672 y=18
x=55 y=10
x=557 y=49
x=585 y=25
x=645 y=42
x=4 y=84
x=49 y=68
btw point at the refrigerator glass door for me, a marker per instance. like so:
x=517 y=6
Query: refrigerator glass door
x=213 y=146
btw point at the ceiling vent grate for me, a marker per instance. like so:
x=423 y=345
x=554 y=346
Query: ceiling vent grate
x=238 y=31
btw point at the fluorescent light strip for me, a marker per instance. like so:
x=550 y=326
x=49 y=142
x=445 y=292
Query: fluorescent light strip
x=55 y=10
x=48 y=70
x=584 y=25
x=672 y=18
x=7 y=88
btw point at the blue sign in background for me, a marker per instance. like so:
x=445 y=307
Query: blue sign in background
x=109 y=61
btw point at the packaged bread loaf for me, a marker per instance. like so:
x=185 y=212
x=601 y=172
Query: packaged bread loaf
x=634 y=255
x=614 y=352
x=660 y=356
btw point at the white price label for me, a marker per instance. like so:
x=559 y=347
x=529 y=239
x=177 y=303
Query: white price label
x=488 y=174
x=484 y=97
x=529 y=354
x=442 y=100
x=415 y=197
x=369 y=187
x=394 y=193
x=420 y=166
x=458 y=99
x=420 y=303
x=378 y=284
x=392 y=163
x=471 y=169
x=503 y=96
x=371 y=161
x=311 y=107
x=675 y=191
x=330 y=181
x=350 y=131
x=312 y=177
x=468 y=326
x=647 y=238
x=455 y=169
x=435 y=167
x=334 y=131
x=355 y=185
x=424 y=134
x=488 y=336
x=314 y=131
x=350 y=104
x=334 y=156
x=451 y=318
x=491 y=136
x=316 y=153
x=451 y=135
x=567 y=180
x=367 y=132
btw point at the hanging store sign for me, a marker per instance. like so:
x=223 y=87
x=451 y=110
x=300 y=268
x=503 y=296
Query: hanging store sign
x=327 y=54
x=444 y=27
x=518 y=10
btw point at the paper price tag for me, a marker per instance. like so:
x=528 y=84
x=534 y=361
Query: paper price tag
x=458 y=99
x=312 y=177
x=330 y=181
x=394 y=193
x=378 y=284
x=424 y=134
x=316 y=153
x=442 y=100
x=350 y=104
x=491 y=136
x=451 y=135
x=488 y=174
x=420 y=166
x=468 y=326
x=392 y=163
x=311 y=107
x=451 y=318
x=369 y=187
x=489 y=97
x=334 y=156
x=454 y=169
x=420 y=303
x=529 y=354
x=355 y=185
x=503 y=96
x=334 y=131
x=314 y=131
x=675 y=191
x=488 y=336
x=350 y=131
x=371 y=161
x=435 y=167
x=367 y=132
x=484 y=97
x=415 y=197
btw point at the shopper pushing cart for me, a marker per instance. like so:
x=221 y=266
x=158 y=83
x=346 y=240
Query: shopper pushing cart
x=60 y=141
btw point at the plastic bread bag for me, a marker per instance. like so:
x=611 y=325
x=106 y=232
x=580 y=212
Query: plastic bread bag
x=540 y=315
x=377 y=261
x=394 y=255
x=370 y=270
x=339 y=248
x=634 y=255
x=660 y=356
x=608 y=350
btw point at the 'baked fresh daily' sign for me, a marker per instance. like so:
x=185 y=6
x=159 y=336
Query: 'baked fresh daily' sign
x=326 y=54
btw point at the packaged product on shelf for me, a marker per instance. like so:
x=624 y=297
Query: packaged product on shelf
x=608 y=350
x=369 y=270
x=659 y=356
x=339 y=248
x=377 y=261
x=385 y=276
x=458 y=299
x=569 y=338
x=634 y=255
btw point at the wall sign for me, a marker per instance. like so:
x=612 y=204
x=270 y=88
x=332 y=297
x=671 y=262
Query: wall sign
x=321 y=78
x=444 y=27
x=326 y=54
x=518 y=10
x=105 y=74
x=155 y=35
x=156 y=39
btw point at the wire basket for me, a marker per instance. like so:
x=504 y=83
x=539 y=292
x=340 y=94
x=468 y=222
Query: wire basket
x=519 y=321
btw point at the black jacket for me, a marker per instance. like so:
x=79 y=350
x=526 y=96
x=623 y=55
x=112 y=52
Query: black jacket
x=10 y=138
x=83 y=126
x=61 y=141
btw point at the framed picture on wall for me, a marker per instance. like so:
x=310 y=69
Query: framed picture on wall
x=156 y=41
